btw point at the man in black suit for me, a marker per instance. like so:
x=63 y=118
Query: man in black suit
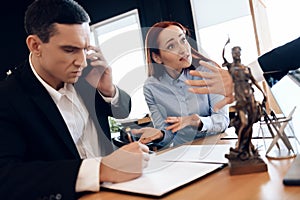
x=55 y=141
x=278 y=62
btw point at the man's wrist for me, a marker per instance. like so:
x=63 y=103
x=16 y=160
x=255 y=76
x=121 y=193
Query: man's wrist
x=109 y=94
x=112 y=100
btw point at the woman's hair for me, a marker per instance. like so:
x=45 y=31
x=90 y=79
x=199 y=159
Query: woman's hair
x=151 y=46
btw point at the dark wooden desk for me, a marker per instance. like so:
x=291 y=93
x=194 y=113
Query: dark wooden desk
x=220 y=185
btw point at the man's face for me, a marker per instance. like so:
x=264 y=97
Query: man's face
x=63 y=58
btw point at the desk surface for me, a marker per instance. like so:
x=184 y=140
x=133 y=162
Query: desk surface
x=221 y=185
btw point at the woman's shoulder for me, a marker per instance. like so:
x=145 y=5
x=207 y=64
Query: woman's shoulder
x=153 y=83
x=151 y=79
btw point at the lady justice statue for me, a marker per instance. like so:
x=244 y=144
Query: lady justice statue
x=244 y=158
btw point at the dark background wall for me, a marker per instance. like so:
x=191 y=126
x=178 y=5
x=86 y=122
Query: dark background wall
x=13 y=47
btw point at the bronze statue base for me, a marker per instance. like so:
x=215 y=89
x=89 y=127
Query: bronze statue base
x=238 y=165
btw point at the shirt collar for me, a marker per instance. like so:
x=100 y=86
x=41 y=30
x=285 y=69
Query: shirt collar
x=166 y=77
x=56 y=95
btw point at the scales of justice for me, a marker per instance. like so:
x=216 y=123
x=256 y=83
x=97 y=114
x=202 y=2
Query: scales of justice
x=245 y=158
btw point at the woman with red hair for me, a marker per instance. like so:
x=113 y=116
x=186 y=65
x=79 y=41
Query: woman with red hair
x=181 y=114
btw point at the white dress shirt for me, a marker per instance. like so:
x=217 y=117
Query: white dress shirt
x=82 y=130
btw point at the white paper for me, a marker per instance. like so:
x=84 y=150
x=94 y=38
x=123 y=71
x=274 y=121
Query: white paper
x=161 y=177
x=197 y=153
x=174 y=168
x=259 y=131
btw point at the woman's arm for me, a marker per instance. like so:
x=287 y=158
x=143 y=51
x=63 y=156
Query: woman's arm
x=158 y=115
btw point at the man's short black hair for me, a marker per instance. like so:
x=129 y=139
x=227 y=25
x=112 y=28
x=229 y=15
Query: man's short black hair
x=41 y=16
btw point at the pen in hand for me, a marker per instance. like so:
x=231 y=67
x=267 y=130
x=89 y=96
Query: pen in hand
x=129 y=134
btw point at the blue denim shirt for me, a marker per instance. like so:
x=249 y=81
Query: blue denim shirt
x=170 y=97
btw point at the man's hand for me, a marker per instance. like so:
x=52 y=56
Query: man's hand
x=218 y=81
x=124 y=164
x=100 y=76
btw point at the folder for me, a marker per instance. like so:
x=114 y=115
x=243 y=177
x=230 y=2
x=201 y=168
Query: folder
x=175 y=168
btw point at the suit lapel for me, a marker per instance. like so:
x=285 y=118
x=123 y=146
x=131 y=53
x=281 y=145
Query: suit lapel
x=88 y=95
x=43 y=100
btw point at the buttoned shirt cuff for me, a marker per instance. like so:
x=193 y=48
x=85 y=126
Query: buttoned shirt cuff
x=205 y=121
x=113 y=100
x=88 y=175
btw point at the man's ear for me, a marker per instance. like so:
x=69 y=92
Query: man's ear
x=156 y=58
x=34 y=45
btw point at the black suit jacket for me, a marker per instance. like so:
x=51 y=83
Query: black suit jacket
x=38 y=158
x=282 y=58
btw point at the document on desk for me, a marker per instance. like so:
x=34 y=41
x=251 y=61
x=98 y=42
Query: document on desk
x=260 y=130
x=175 y=168
x=197 y=153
